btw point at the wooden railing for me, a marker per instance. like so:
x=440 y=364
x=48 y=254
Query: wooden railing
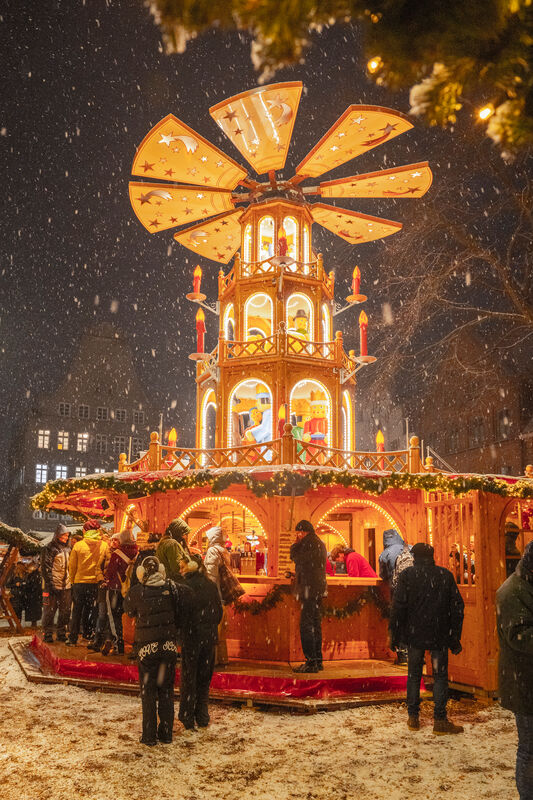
x=285 y=450
x=308 y=269
x=266 y=346
x=297 y=346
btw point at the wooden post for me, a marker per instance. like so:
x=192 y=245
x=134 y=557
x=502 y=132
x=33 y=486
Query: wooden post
x=122 y=462
x=319 y=266
x=287 y=445
x=338 y=347
x=237 y=265
x=429 y=464
x=529 y=471
x=154 y=452
x=414 y=454
x=7 y=611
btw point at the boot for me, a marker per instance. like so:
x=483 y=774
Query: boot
x=119 y=647
x=107 y=648
x=309 y=666
x=413 y=723
x=444 y=726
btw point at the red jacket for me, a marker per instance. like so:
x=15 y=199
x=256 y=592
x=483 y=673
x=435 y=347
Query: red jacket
x=116 y=569
x=357 y=566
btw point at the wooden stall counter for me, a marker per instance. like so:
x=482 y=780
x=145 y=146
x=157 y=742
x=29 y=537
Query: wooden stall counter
x=271 y=632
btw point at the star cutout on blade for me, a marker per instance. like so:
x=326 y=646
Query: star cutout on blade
x=188 y=210
x=237 y=132
x=166 y=138
x=192 y=171
x=169 y=172
x=204 y=159
x=146 y=166
x=144 y=199
x=155 y=223
x=357 y=120
x=219 y=164
x=388 y=128
x=416 y=174
x=224 y=222
x=230 y=116
x=173 y=220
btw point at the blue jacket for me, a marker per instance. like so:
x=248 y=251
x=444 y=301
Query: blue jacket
x=392 y=547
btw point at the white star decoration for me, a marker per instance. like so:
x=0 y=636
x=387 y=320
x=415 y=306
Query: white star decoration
x=166 y=138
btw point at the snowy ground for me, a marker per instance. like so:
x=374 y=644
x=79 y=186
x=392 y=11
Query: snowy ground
x=64 y=743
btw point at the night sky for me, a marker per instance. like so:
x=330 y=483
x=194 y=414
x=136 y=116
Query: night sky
x=85 y=82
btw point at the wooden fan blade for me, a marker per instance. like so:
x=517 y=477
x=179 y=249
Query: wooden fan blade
x=355 y=228
x=218 y=238
x=160 y=206
x=358 y=130
x=412 y=180
x=260 y=122
x=173 y=151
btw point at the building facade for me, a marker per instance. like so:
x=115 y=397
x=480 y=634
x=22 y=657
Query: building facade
x=97 y=412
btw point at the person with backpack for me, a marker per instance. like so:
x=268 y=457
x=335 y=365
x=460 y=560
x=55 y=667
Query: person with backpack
x=395 y=557
x=109 y=637
x=427 y=614
x=87 y=563
x=56 y=585
x=172 y=547
x=160 y=608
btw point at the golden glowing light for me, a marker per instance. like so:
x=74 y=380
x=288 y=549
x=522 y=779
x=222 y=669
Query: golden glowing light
x=486 y=112
x=172 y=437
x=380 y=439
x=200 y=316
x=363 y=319
x=197 y=271
x=356 y=273
x=374 y=64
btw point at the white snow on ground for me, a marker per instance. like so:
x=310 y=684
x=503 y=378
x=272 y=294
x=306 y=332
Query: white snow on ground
x=62 y=743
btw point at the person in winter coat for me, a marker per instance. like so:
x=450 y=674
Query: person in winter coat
x=309 y=555
x=56 y=585
x=514 y=610
x=356 y=565
x=16 y=584
x=427 y=614
x=393 y=545
x=87 y=563
x=172 y=547
x=33 y=594
x=198 y=648
x=122 y=555
x=158 y=606
x=215 y=555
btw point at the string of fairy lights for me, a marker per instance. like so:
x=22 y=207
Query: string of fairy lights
x=283 y=483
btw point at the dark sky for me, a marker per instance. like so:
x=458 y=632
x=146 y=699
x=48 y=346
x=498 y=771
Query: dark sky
x=86 y=80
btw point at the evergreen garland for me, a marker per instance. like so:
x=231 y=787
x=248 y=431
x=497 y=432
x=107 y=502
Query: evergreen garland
x=274 y=596
x=284 y=483
x=17 y=538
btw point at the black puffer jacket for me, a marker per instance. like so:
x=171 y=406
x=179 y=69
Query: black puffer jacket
x=158 y=610
x=206 y=609
x=427 y=609
x=54 y=564
x=514 y=609
x=309 y=556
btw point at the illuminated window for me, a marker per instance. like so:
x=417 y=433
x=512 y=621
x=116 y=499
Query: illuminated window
x=290 y=226
x=61 y=472
x=43 y=439
x=250 y=414
x=306 y=255
x=62 y=440
x=229 y=323
x=41 y=473
x=99 y=470
x=347 y=422
x=120 y=415
x=83 y=412
x=101 y=443
x=258 y=316
x=326 y=323
x=310 y=412
x=119 y=444
x=82 y=444
x=300 y=316
x=266 y=238
x=81 y=472
x=102 y=413
x=247 y=243
x=64 y=409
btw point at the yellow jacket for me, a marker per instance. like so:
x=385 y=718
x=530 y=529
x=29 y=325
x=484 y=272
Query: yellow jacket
x=88 y=559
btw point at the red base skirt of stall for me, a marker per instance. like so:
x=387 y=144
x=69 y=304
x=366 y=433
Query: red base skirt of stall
x=226 y=681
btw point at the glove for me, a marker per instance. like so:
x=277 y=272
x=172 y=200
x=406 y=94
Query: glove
x=456 y=648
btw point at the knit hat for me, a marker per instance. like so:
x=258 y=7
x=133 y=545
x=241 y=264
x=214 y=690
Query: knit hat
x=178 y=529
x=91 y=525
x=305 y=525
x=126 y=536
x=61 y=530
x=422 y=552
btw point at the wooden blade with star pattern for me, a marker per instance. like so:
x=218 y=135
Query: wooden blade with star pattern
x=357 y=131
x=218 y=238
x=260 y=123
x=352 y=226
x=160 y=206
x=173 y=151
x=412 y=180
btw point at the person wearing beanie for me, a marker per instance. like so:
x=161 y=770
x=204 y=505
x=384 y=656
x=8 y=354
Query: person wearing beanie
x=159 y=606
x=56 y=585
x=87 y=563
x=514 y=613
x=172 y=547
x=198 y=648
x=309 y=555
x=427 y=614
x=216 y=554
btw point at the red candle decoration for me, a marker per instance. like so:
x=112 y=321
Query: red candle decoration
x=363 y=327
x=356 y=281
x=200 y=331
x=197 y=279
x=282 y=242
